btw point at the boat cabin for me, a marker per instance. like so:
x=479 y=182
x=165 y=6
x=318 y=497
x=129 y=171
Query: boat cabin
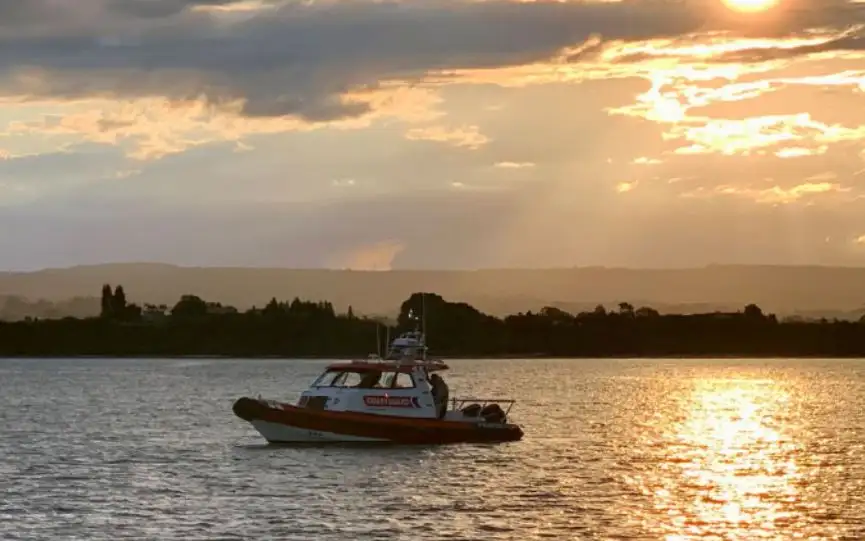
x=405 y=384
x=406 y=389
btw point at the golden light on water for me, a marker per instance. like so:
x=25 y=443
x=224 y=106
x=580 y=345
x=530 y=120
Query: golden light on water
x=733 y=471
x=750 y=6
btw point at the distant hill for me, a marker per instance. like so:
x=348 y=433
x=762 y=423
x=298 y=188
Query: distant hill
x=811 y=291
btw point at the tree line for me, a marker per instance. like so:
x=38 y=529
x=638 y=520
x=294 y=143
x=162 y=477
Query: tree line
x=300 y=328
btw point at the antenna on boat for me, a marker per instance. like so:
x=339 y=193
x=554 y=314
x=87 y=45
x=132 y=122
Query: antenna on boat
x=378 y=338
x=423 y=322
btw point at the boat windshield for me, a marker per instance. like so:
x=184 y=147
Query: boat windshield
x=386 y=379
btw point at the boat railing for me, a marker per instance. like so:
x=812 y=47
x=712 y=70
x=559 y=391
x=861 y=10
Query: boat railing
x=269 y=402
x=406 y=361
x=459 y=403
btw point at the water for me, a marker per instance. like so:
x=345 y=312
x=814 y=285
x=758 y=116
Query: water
x=614 y=449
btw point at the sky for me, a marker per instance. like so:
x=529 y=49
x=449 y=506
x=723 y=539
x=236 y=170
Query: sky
x=378 y=134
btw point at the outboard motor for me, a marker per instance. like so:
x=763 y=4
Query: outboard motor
x=493 y=413
x=472 y=410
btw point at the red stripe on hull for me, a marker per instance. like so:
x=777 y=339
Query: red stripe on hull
x=386 y=427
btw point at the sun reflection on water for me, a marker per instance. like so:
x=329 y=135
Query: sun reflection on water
x=731 y=468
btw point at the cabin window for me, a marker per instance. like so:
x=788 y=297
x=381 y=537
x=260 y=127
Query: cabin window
x=348 y=379
x=339 y=378
x=396 y=380
x=388 y=379
x=403 y=381
x=327 y=379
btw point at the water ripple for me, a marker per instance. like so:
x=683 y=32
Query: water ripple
x=614 y=449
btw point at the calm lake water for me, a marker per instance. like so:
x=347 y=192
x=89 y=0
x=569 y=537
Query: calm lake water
x=614 y=449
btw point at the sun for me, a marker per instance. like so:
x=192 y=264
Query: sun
x=750 y=6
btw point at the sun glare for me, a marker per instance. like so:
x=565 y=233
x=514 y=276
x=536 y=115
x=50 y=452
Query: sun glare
x=750 y=6
x=736 y=470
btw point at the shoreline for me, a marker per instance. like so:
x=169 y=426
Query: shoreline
x=694 y=356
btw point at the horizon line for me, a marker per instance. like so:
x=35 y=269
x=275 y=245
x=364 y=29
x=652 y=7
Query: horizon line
x=428 y=270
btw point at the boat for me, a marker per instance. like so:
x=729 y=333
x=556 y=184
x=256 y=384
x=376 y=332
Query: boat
x=399 y=398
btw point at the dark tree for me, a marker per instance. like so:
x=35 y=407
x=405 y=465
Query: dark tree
x=626 y=309
x=132 y=312
x=118 y=302
x=273 y=309
x=189 y=307
x=752 y=311
x=107 y=302
x=645 y=311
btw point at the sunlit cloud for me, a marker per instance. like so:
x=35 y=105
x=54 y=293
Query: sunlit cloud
x=773 y=194
x=240 y=6
x=514 y=165
x=344 y=182
x=467 y=136
x=744 y=136
x=125 y=173
x=800 y=152
x=825 y=176
x=151 y=128
x=378 y=256
x=642 y=160
x=625 y=187
x=709 y=46
x=475 y=187
x=669 y=103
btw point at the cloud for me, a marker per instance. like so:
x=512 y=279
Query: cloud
x=850 y=40
x=302 y=59
x=625 y=187
x=344 y=182
x=464 y=136
x=736 y=136
x=642 y=160
x=800 y=152
x=514 y=165
x=374 y=257
x=159 y=77
x=698 y=111
x=652 y=92
x=152 y=128
x=773 y=194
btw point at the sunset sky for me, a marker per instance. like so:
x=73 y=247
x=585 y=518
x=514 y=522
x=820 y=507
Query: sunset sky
x=432 y=133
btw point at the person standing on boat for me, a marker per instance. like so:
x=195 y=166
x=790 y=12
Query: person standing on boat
x=440 y=393
x=369 y=380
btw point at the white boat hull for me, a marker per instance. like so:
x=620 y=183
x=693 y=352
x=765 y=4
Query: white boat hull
x=280 y=433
